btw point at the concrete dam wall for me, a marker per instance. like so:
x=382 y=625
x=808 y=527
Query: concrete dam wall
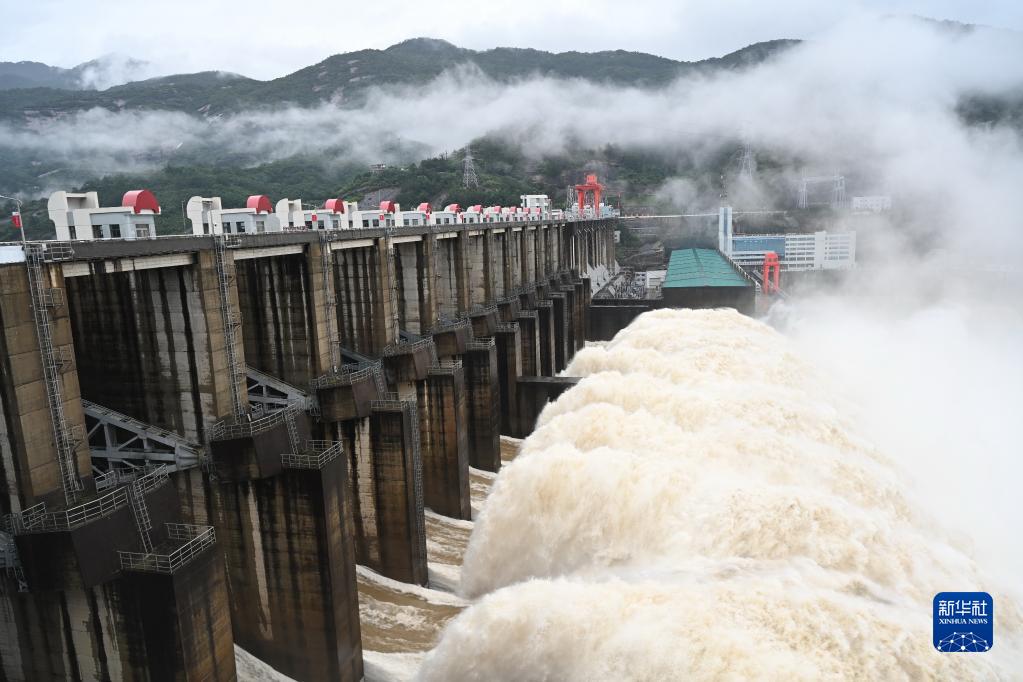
x=200 y=437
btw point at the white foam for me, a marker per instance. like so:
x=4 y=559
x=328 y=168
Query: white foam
x=432 y=596
x=392 y=667
x=700 y=505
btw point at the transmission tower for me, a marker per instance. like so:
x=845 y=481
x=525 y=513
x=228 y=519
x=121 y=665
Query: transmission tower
x=748 y=165
x=469 y=178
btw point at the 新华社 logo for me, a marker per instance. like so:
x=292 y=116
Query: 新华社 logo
x=963 y=622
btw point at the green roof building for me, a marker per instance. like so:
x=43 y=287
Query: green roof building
x=703 y=278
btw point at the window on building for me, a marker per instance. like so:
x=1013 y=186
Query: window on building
x=260 y=226
x=142 y=232
x=97 y=232
x=365 y=223
x=115 y=231
x=376 y=222
x=205 y=228
x=308 y=224
x=73 y=232
x=226 y=227
x=240 y=225
x=319 y=224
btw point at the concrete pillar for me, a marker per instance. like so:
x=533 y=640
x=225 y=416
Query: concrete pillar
x=152 y=344
x=546 y=337
x=322 y=301
x=385 y=483
x=28 y=451
x=484 y=401
x=363 y=281
x=540 y=252
x=561 y=313
x=509 y=272
x=279 y=318
x=414 y=275
x=513 y=257
x=492 y=260
x=529 y=338
x=445 y=443
x=397 y=475
x=462 y=253
x=528 y=237
x=509 y=369
x=479 y=269
x=533 y=394
x=185 y=621
x=143 y=625
x=290 y=557
x=448 y=297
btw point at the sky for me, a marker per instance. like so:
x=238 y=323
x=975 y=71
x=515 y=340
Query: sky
x=264 y=39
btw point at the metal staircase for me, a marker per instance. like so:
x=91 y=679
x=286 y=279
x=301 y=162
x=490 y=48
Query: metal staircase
x=10 y=562
x=293 y=437
x=137 y=498
x=141 y=514
x=225 y=280
x=43 y=298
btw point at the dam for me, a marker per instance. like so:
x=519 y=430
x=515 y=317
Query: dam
x=204 y=435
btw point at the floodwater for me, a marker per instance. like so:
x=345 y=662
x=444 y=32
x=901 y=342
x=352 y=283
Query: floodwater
x=700 y=506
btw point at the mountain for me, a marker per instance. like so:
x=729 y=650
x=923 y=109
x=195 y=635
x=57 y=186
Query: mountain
x=97 y=74
x=345 y=78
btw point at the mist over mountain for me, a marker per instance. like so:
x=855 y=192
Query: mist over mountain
x=342 y=79
x=96 y=74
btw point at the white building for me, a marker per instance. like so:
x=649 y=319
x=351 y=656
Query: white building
x=472 y=215
x=871 y=204
x=816 y=251
x=492 y=214
x=444 y=217
x=80 y=217
x=289 y=214
x=412 y=218
x=384 y=216
x=537 y=201
x=208 y=216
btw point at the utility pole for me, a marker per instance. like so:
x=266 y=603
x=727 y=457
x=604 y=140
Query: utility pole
x=18 y=219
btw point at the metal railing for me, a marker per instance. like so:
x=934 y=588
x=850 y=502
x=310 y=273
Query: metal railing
x=194 y=538
x=345 y=375
x=113 y=478
x=158 y=473
x=36 y=519
x=402 y=347
x=318 y=453
x=449 y=368
x=446 y=324
x=250 y=424
x=389 y=401
x=507 y=327
x=480 y=343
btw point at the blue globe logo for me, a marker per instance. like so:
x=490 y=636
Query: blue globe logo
x=962 y=641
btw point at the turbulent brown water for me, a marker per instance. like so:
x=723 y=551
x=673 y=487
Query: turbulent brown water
x=699 y=506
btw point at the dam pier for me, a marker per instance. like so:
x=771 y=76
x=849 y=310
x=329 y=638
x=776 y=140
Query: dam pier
x=203 y=435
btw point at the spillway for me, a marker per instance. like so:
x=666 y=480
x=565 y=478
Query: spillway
x=700 y=505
